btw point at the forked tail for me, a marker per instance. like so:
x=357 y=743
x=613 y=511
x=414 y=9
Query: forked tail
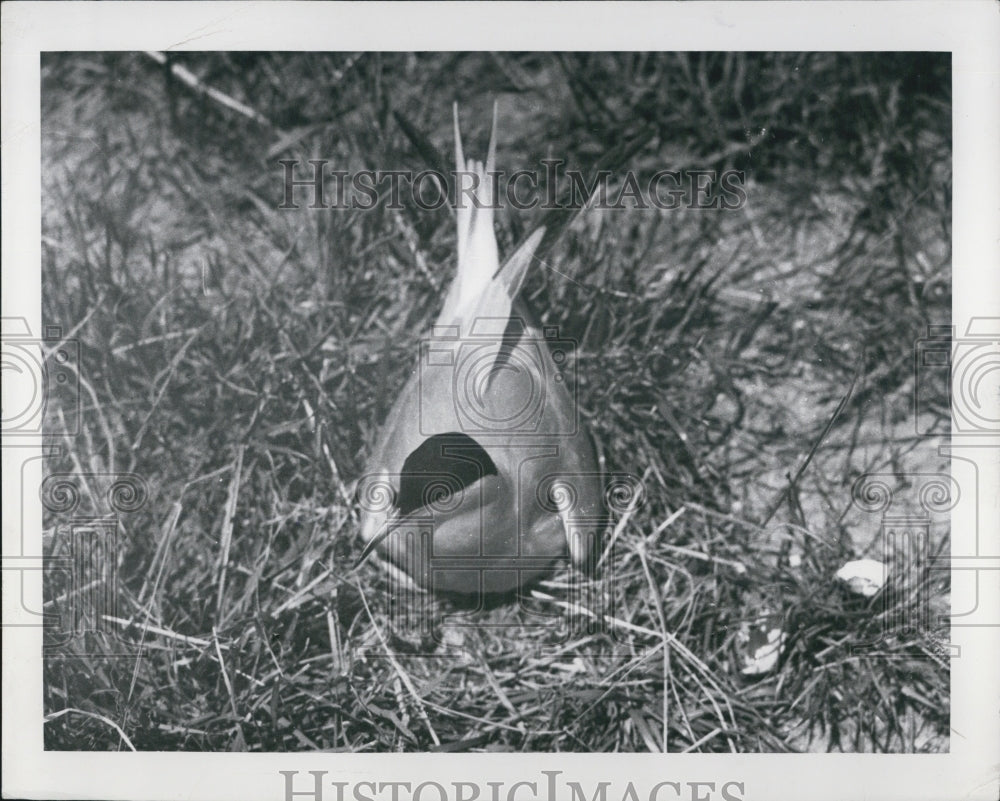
x=481 y=288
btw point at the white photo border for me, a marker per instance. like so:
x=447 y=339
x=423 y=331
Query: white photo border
x=970 y=30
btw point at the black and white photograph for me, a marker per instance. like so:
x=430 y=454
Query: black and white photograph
x=503 y=402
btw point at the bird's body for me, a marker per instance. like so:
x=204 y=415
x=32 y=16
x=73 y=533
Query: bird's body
x=483 y=476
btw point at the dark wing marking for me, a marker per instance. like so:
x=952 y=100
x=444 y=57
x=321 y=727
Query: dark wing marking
x=443 y=463
x=446 y=463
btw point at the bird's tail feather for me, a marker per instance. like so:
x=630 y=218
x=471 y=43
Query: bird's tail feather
x=478 y=257
x=483 y=287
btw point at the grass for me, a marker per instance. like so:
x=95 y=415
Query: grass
x=749 y=365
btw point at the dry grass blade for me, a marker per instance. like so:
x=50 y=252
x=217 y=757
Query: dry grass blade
x=71 y=711
x=226 y=536
x=192 y=81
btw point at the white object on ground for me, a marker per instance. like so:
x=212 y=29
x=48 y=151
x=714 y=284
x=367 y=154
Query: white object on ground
x=864 y=576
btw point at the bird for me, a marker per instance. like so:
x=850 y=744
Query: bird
x=483 y=478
